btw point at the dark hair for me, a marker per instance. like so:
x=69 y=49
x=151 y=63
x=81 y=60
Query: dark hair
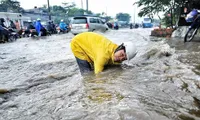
x=120 y=47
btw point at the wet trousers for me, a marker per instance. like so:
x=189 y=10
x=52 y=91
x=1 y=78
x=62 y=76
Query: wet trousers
x=84 y=66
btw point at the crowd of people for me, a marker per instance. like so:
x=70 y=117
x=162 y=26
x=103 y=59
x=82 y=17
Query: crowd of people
x=32 y=28
x=50 y=28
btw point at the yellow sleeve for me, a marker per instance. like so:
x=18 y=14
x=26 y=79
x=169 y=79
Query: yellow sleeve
x=99 y=64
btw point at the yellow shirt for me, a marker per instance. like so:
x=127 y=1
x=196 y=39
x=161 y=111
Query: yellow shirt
x=94 y=48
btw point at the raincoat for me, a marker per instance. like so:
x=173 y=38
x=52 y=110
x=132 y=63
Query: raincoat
x=38 y=26
x=63 y=26
x=94 y=48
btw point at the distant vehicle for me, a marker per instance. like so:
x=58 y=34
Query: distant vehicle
x=147 y=23
x=87 y=23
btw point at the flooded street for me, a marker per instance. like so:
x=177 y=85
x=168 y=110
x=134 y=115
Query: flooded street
x=40 y=80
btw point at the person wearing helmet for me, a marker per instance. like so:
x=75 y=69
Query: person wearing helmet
x=94 y=49
x=38 y=26
x=29 y=28
x=63 y=26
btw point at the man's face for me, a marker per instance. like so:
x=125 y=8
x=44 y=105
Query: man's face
x=120 y=56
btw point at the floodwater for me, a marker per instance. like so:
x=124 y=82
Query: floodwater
x=40 y=80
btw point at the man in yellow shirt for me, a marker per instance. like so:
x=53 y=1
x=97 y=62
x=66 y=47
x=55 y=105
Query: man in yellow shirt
x=94 y=49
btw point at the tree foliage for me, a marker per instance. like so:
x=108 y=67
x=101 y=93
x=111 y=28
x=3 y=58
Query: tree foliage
x=60 y=12
x=123 y=17
x=151 y=8
x=10 y=5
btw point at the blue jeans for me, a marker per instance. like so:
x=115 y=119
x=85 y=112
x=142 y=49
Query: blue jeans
x=83 y=65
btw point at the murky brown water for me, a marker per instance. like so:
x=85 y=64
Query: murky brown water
x=39 y=80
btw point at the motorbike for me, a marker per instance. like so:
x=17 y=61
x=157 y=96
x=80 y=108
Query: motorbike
x=59 y=31
x=29 y=33
x=194 y=17
x=7 y=35
x=33 y=33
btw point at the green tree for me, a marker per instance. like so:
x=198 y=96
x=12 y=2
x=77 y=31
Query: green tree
x=154 y=7
x=10 y=5
x=57 y=10
x=68 y=7
x=123 y=17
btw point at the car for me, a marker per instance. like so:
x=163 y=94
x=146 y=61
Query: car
x=87 y=24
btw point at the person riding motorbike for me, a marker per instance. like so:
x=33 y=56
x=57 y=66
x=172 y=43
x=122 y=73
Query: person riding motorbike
x=51 y=27
x=4 y=30
x=30 y=27
x=39 y=27
x=131 y=26
x=12 y=25
x=94 y=49
x=193 y=15
x=1 y=34
x=116 y=26
x=63 y=26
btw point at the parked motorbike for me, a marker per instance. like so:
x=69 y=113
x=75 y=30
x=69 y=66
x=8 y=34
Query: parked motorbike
x=194 y=17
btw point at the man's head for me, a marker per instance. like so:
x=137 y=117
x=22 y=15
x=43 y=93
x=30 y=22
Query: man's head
x=120 y=53
x=125 y=51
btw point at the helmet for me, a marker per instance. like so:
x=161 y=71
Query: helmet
x=130 y=49
x=61 y=20
x=38 y=19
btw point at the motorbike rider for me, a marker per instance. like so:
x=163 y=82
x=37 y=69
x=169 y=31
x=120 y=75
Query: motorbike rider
x=193 y=16
x=29 y=28
x=1 y=34
x=12 y=25
x=94 y=49
x=4 y=30
x=131 y=26
x=2 y=22
x=116 y=26
x=51 y=27
x=30 y=25
x=63 y=26
x=54 y=26
x=39 y=27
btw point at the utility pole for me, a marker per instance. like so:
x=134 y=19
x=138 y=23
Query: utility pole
x=82 y=4
x=49 y=10
x=134 y=13
x=106 y=11
x=87 y=5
